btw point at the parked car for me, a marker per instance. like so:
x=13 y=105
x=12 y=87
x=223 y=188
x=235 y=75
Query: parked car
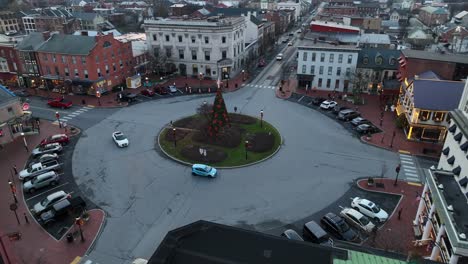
x=290 y=43
x=366 y=128
x=291 y=234
x=127 y=97
x=120 y=139
x=46 y=149
x=299 y=31
x=38 y=168
x=357 y=219
x=74 y=206
x=313 y=232
x=318 y=100
x=59 y=103
x=338 y=108
x=160 y=90
x=172 y=89
x=49 y=178
x=57 y=138
x=46 y=157
x=370 y=209
x=49 y=201
x=147 y=92
x=347 y=114
x=203 y=170
x=359 y=121
x=337 y=226
x=21 y=93
x=328 y=105
x=279 y=56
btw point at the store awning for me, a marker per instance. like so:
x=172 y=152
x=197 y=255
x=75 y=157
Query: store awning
x=400 y=110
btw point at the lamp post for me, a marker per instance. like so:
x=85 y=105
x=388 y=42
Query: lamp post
x=79 y=223
x=98 y=95
x=13 y=191
x=174 y=134
x=57 y=115
x=201 y=78
x=246 y=146
x=393 y=137
x=243 y=75
x=397 y=170
x=25 y=142
x=261 y=118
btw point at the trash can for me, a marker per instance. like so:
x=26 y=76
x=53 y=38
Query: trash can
x=69 y=237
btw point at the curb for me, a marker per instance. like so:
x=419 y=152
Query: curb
x=99 y=232
x=229 y=167
x=397 y=151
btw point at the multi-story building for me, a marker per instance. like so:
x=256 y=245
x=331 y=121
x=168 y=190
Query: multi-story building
x=139 y=51
x=340 y=10
x=8 y=22
x=199 y=47
x=378 y=65
x=89 y=21
x=433 y=16
x=29 y=73
x=56 y=19
x=326 y=66
x=8 y=61
x=440 y=221
x=29 y=23
x=369 y=9
x=368 y=24
x=425 y=101
x=11 y=116
x=290 y=5
x=447 y=66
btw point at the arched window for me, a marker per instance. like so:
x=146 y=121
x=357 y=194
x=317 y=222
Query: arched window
x=365 y=60
x=378 y=60
x=106 y=44
x=392 y=61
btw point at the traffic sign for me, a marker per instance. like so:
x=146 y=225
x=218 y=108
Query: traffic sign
x=25 y=106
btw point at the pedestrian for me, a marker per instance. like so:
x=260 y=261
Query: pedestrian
x=235 y=109
x=83 y=102
x=381 y=121
x=399 y=213
x=381 y=114
x=386 y=108
x=15 y=169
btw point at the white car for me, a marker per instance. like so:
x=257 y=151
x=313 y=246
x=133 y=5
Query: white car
x=279 y=56
x=47 y=149
x=357 y=219
x=328 y=105
x=172 y=88
x=120 y=139
x=370 y=209
x=49 y=201
x=290 y=43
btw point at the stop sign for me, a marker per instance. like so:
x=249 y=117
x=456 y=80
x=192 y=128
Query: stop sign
x=25 y=106
x=57 y=115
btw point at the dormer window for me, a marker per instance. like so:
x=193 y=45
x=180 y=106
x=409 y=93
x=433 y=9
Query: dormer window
x=378 y=60
x=392 y=61
x=106 y=44
x=365 y=60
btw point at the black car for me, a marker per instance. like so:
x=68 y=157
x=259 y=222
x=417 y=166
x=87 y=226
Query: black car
x=338 y=227
x=338 y=108
x=318 y=100
x=126 y=97
x=367 y=128
x=70 y=206
x=21 y=93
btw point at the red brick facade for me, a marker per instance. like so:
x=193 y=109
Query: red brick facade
x=9 y=64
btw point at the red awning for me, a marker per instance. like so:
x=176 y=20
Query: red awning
x=403 y=64
x=401 y=59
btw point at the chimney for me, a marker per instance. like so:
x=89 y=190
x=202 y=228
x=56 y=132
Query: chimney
x=46 y=35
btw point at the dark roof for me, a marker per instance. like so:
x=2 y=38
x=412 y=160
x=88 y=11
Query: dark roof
x=429 y=75
x=437 y=95
x=372 y=53
x=255 y=20
x=436 y=56
x=205 y=242
x=233 y=11
x=68 y=44
x=6 y=95
x=58 y=12
x=85 y=16
x=31 y=42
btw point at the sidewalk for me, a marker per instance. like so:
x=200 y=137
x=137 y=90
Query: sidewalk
x=397 y=234
x=371 y=111
x=35 y=245
x=288 y=89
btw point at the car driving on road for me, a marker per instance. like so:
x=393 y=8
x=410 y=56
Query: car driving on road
x=279 y=56
x=203 y=170
x=59 y=103
x=120 y=139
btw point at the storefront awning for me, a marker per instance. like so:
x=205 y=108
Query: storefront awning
x=400 y=110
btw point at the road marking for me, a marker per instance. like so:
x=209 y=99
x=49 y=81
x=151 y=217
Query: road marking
x=273 y=87
x=256 y=86
x=37 y=195
x=414 y=183
x=405 y=157
x=79 y=111
x=411 y=174
x=300 y=99
x=404 y=151
x=73 y=114
x=407 y=161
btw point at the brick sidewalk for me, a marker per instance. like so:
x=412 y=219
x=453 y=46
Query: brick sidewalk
x=35 y=245
x=397 y=234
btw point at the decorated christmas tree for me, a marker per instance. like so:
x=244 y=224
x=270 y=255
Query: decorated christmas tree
x=219 y=115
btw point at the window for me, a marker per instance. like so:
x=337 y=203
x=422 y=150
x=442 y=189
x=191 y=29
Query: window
x=207 y=40
x=155 y=37
x=304 y=68
x=99 y=72
x=64 y=60
x=348 y=71
x=168 y=52
x=321 y=70
x=312 y=69
x=83 y=60
x=313 y=56
x=113 y=67
x=57 y=72
x=365 y=60
x=392 y=61
x=121 y=64
x=340 y=58
x=350 y=59
x=207 y=55
x=378 y=60
x=66 y=72
x=320 y=83
x=97 y=59
x=76 y=73
x=44 y=57
x=180 y=38
x=223 y=54
x=328 y=83
x=194 y=55
x=167 y=38
x=424 y=115
x=156 y=52
x=330 y=70
x=193 y=39
x=73 y=59
x=338 y=71
x=304 y=56
x=223 y=39
x=438 y=116
x=112 y=55
x=85 y=74
x=322 y=57
x=181 y=54
x=107 y=69
x=47 y=69
x=332 y=57
x=337 y=84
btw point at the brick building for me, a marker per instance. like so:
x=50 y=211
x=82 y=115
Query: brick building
x=340 y=10
x=370 y=9
x=433 y=16
x=8 y=61
x=447 y=66
x=59 y=19
x=80 y=64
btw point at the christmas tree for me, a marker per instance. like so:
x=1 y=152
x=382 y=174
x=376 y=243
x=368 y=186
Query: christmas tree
x=219 y=115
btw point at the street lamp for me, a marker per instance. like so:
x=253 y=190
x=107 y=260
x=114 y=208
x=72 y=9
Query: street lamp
x=397 y=170
x=201 y=77
x=25 y=143
x=243 y=75
x=98 y=95
x=261 y=118
x=57 y=115
x=13 y=190
x=246 y=146
x=393 y=137
x=174 y=134
x=79 y=223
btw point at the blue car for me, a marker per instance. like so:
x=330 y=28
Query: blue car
x=203 y=170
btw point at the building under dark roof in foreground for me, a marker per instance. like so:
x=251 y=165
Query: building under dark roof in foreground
x=205 y=242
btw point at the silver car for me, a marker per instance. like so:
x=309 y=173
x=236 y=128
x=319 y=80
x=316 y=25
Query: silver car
x=49 y=148
x=49 y=178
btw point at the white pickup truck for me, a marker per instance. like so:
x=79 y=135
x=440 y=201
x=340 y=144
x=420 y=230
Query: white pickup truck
x=38 y=168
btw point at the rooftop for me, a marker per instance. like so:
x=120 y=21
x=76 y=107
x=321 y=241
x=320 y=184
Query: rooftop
x=436 y=56
x=435 y=10
x=389 y=58
x=375 y=39
x=68 y=44
x=85 y=16
x=179 y=22
x=31 y=42
x=437 y=94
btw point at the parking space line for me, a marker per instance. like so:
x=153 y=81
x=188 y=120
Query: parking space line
x=300 y=99
x=37 y=195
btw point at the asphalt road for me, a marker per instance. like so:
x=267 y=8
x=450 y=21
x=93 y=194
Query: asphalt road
x=146 y=195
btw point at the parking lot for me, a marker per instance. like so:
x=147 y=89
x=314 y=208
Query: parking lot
x=67 y=184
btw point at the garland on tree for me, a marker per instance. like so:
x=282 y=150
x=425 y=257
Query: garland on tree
x=219 y=115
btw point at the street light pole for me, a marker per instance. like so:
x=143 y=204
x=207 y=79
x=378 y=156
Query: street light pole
x=397 y=170
x=246 y=146
x=174 y=134
x=79 y=223
x=201 y=77
x=261 y=118
x=25 y=142
x=393 y=137
x=57 y=115
x=13 y=191
x=243 y=75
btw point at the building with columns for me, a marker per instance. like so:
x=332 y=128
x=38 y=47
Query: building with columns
x=441 y=221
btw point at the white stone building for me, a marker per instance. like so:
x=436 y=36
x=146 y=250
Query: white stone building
x=326 y=66
x=290 y=5
x=200 y=46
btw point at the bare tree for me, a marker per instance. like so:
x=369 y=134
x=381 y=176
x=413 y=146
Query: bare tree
x=360 y=81
x=205 y=110
x=159 y=63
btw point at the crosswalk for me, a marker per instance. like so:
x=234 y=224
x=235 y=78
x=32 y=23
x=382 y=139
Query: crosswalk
x=74 y=114
x=408 y=168
x=259 y=86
